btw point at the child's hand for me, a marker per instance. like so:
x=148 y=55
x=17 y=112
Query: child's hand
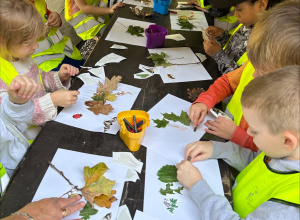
x=194 y=2
x=202 y=9
x=214 y=31
x=199 y=150
x=54 y=20
x=221 y=127
x=113 y=8
x=22 y=88
x=66 y=71
x=64 y=98
x=212 y=47
x=188 y=174
x=197 y=113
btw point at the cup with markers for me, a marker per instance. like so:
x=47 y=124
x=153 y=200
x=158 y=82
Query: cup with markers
x=133 y=125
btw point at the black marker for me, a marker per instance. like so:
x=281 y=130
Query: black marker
x=126 y=122
x=134 y=123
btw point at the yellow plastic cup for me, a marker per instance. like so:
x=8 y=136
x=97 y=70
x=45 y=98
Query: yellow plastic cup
x=133 y=140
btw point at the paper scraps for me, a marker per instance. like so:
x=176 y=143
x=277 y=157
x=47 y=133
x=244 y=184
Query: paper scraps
x=148 y=71
x=107 y=216
x=127 y=159
x=87 y=79
x=99 y=72
x=118 y=47
x=143 y=216
x=108 y=123
x=123 y=213
x=177 y=37
x=142 y=75
x=131 y=175
x=201 y=56
x=110 y=58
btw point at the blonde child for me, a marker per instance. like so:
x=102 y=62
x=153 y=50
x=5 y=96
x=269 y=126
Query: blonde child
x=273 y=44
x=20 y=27
x=228 y=48
x=268 y=184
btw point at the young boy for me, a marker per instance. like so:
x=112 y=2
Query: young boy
x=232 y=52
x=273 y=44
x=268 y=185
x=16 y=110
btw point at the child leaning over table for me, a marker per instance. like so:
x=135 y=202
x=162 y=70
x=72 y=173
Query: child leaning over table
x=268 y=184
x=20 y=27
x=273 y=44
x=232 y=52
x=16 y=110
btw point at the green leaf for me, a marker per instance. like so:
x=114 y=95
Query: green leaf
x=185 y=24
x=183 y=118
x=168 y=190
x=87 y=211
x=142 y=75
x=159 y=59
x=102 y=186
x=167 y=174
x=99 y=98
x=161 y=123
x=179 y=189
x=135 y=30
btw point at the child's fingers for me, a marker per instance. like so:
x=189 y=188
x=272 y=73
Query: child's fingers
x=25 y=84
x=36 y=87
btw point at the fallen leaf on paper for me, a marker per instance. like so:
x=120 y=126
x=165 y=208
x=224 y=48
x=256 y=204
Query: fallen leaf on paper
x=109 y=85
x=99 y=108
x=92 y=174
x=183 y=118
x=159 y=59
x=105 y=200
x=135 y=30
x=160 y=123
x=87 y=211
x=167 y=174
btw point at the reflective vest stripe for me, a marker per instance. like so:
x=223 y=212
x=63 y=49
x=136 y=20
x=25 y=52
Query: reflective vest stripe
x=234 y=106
x=44 y=58
x=259 y=183
x=4 y=179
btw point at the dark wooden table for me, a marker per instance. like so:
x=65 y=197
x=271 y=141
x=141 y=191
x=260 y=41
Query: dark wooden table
x=33 y=166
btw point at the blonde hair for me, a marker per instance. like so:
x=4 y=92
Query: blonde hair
x=20 y=23
x=275 y=38
x=276 y=97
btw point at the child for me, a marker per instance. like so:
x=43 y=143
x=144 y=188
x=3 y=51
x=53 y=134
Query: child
x=88 y=17
x=18 y=40
x=268 y=185
x=15 y=111
x=273 y=44
x=232 y=52
x=55 y=49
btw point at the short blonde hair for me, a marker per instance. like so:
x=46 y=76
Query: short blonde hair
x=20 y=23
x=276 y=97
x=275 y=38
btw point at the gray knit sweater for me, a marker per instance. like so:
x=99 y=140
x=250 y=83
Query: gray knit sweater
x=217 y=207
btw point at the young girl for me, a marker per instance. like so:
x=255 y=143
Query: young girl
x=229 y=48
x=20 y=27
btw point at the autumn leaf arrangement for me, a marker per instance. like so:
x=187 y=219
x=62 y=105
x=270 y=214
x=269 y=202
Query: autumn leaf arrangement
x=159 y=59
x=135 y=30
x=184 y=23
x=162 y=123
x=104 y=92
x=97 y=189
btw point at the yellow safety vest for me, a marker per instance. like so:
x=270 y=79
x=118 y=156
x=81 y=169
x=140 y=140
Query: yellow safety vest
x=55 y=47
x=234 y=107
x=201 y=3
x=4 y=179
x=244 y=58
x=86 y=26
x=258 y=183
x=228 y=18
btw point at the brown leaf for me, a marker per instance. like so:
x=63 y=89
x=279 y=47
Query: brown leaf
x=93 y=174
x=194 y=93
x=92 y=103
x=97 y=107
x=109 y=85
x=105 y=201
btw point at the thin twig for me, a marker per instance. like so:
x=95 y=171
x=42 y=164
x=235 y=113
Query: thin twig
x=122 y=24
x=62 y=174
x=176 y=58
x=184 y=63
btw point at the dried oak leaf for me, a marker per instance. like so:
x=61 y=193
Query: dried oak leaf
x=93 y=174
x=100 y=108
x=92 y=103
x=102 y=186
x=194 y=93
x=109 y=85
x=104 y=200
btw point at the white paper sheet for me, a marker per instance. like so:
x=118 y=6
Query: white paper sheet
x=71 y=163
x=177 y=37
x=118 y=47
x=128 y=160
x=201 y=56
x=118 y=32
x=91 y=122
x=198 y=21
x=139 y=3
x=98 y=72
x=187 y=208
x=87 y=79
x=170 y=139
x=110 y=58
x=132 y=175
x=149 y=69
x=143 y=216
x=181 y=73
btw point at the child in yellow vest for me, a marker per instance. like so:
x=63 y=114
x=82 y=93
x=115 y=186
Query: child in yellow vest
x=273 y=44
x=20 y=27
x=228 y=48
x=268 y=184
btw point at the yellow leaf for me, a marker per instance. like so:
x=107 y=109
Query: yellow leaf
x=105 y=201
x=93 y=174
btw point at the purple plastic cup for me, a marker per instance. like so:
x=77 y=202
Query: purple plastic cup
x=155 y=36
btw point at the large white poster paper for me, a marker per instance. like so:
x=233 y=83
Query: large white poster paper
x=71 y=163
x=198 y=20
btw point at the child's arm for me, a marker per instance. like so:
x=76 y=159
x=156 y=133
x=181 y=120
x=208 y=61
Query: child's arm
x=95 y=10
x=243 y=139
x=223 y=87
